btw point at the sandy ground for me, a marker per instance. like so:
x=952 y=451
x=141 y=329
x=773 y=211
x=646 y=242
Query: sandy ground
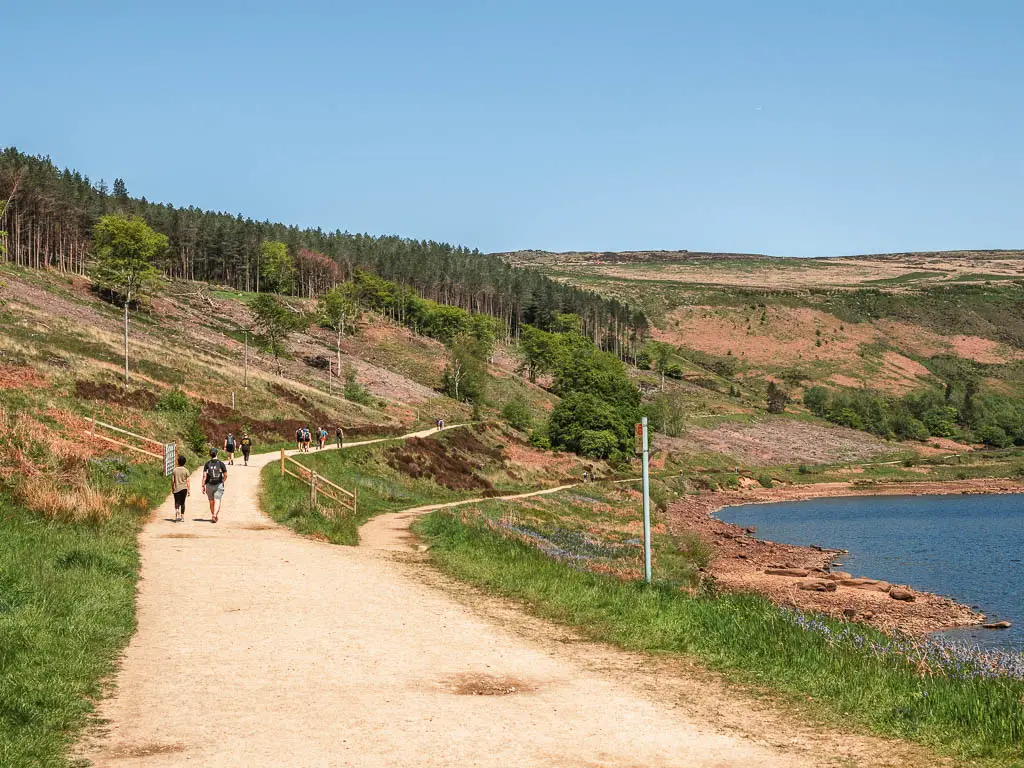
x=258 y=647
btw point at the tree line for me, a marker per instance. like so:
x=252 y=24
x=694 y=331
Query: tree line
x=52 y=213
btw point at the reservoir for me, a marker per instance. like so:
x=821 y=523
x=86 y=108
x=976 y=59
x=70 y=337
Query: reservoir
x=969 y=548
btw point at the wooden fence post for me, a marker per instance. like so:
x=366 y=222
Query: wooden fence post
x=355 y=499
x=282 y=462
x=312 y=489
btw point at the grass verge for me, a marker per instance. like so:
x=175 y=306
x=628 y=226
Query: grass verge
x=751 y=641
x=67 y=609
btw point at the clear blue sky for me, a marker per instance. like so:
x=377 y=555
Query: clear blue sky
x=790 y=128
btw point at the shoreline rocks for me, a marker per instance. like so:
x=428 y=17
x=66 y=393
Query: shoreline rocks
x=744 y=563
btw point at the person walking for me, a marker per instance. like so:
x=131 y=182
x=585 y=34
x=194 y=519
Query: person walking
x=215 y=474
x=339 y=437
x=307 y=438
x=246 y=448
x=323 y=438
x=229 y=447
x=181 y=487
x=298 y=438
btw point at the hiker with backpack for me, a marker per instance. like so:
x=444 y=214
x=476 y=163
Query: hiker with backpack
x=246 y=447
x=180 y=488
x=214 y=476
x=298 y=438
x=323 y=438
x=307 y=438
x=229 y=447
x=339 y=437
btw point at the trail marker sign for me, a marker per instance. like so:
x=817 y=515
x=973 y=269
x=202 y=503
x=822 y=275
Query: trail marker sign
x=170 y=451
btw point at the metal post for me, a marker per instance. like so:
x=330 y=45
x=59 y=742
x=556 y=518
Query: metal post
x=246 y=375
x=232 y=399
x=647 y=506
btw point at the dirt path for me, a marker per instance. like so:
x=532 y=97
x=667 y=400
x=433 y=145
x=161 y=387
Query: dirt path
x=257 y=647
x=391 y=531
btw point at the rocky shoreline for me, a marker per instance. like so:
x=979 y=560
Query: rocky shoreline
x=803 y=577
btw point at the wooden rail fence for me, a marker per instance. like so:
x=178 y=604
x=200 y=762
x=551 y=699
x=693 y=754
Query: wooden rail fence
x=318 y=484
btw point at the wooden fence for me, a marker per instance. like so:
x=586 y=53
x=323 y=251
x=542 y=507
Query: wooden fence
x=319 y=485
x=112 y=428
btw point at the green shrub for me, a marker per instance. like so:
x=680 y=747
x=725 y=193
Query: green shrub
x=539 y=439
x=354 y=391
x=765 y=480
x=194 y=436
x=517 y=413
x=598 y=443
x=174 y=401
x=993 y=434
x=580 y=413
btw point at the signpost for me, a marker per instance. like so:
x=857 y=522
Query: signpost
x=641 y=432
x=170 y=456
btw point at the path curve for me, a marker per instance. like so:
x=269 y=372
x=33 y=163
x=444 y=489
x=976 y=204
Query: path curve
x=258 y=647
x=392 y=532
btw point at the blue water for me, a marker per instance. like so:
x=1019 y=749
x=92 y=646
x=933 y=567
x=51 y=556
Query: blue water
x=969 y=548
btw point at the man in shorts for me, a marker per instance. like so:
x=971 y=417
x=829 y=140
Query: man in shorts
x=229 y=447
x=246 y=447
x=339 y=437
x=298 y=438
x=214 y=476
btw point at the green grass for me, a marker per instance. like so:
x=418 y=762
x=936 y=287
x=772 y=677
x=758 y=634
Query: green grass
x=380 y=489
x=67 y=609
x=748 y=639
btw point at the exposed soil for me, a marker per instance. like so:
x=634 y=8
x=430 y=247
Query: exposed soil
x=740 y=560
x=787 y=441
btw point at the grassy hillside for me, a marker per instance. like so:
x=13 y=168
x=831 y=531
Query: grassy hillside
x=892 y=324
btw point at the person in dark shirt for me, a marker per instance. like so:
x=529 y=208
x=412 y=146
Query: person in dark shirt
x=246 y=448
x=215 y=473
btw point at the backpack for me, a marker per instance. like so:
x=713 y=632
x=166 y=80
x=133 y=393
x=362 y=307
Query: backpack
x=231 y=445
x=298 y=434
x=214 y=472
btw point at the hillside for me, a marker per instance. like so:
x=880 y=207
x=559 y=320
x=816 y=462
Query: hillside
x=895 y=324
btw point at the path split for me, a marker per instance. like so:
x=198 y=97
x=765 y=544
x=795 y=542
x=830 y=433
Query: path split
x=258 y=647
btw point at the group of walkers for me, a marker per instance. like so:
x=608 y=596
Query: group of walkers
x=215 y=471
x=304 y=437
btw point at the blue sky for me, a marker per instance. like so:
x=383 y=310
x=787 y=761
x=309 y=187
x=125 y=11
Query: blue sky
x=790 y=128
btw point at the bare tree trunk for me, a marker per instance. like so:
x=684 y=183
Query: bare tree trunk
x=126 y=344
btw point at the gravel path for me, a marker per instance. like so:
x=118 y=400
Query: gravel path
x=258 y=647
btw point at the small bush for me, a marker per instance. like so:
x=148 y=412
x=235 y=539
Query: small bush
x=174 y=401
x=194 y=436
x=765 y=481
x=516 y=413
x=539 y=439
x=803 y=469
x=354 y=391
